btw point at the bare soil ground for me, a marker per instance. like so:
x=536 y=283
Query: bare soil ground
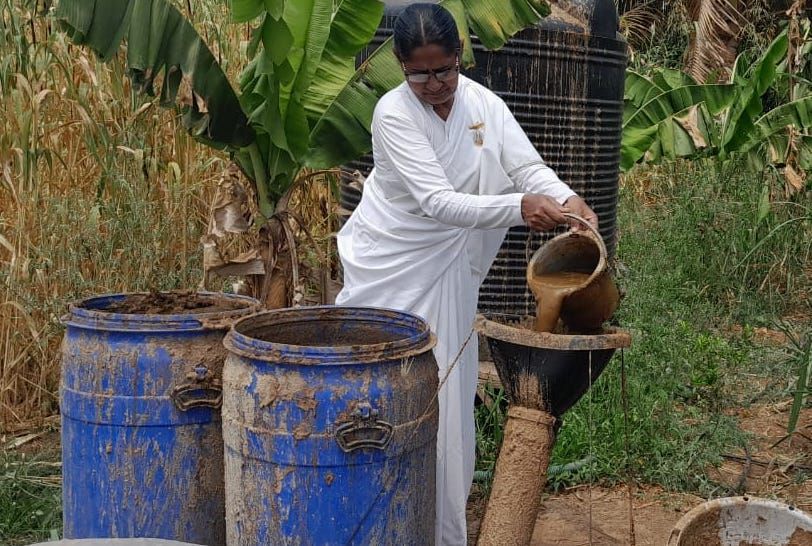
x=775 y=466
x=564 y=519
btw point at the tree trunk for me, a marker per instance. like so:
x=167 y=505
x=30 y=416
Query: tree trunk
x=279 y=283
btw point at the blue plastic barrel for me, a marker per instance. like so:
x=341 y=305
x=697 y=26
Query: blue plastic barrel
x=114 y=542
x=140 y=397
x=330 y=424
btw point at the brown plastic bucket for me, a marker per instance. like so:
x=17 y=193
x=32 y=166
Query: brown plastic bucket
x=590 y=304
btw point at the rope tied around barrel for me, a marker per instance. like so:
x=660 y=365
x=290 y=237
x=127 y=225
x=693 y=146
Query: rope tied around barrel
x=416 y=423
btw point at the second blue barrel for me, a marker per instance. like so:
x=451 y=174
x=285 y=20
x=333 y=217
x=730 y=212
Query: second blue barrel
x=330 y=424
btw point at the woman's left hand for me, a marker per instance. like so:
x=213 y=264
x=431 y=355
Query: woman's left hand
x=578 y=206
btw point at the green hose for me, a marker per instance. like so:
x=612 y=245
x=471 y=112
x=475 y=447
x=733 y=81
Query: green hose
x=553 y=470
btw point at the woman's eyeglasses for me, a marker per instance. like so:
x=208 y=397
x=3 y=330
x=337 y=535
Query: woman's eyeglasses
x=440 y=75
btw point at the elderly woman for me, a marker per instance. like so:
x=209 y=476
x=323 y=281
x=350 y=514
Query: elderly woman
x=453 y=170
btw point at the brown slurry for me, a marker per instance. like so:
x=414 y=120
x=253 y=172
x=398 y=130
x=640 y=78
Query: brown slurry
x=519 y=478
x=800 y=538
x=591 y=306
x=325 y=334
x=704 y=531
x=174 y=303
x=562 y=295
x=550 y=289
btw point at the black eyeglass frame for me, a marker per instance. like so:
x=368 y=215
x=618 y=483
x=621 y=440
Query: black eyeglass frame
x=424 y=76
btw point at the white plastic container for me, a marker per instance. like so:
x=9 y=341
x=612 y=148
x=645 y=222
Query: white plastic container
x=743 y=521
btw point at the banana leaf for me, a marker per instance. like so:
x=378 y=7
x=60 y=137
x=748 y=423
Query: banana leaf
x=797 y=113
x=302 y=101
x=775 y=152
x=638 y=91
x=341 y=133
x=674 y=140
x=308 y=51
x=751 y=83
x=641 y=129
x=668 y=78
x=160 y=41
x=353 y=27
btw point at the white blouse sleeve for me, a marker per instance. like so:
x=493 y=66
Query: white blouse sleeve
x=524 y=165
x=413 y=158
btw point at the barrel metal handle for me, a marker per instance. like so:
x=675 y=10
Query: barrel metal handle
x=365 y=430
x=202 y=391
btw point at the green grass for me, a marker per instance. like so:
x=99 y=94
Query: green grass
x=701 y=267
x=30 y=499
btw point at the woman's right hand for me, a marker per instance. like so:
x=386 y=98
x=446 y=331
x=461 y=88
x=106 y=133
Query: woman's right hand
x=542 y=213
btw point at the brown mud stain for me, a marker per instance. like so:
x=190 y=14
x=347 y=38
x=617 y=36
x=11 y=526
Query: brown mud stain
x=519 y=478
x=267 y=389
x=303 y=430
x=285 y=388
x=528 y=392
x=305 y=399
x=800 y=538
x=279 y=475
x=338 y=392
x=174 y=303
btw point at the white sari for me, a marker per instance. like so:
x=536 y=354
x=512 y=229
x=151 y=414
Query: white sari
x=432 y=217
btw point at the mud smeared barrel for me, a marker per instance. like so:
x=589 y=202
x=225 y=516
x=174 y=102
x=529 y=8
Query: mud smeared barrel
x=330 y=428
x=140 y=395
x=563 y=80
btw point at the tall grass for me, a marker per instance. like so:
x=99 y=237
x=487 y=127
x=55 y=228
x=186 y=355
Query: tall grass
x=100 y=191
x=703 y=260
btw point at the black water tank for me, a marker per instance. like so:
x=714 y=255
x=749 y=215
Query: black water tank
x=563 y=80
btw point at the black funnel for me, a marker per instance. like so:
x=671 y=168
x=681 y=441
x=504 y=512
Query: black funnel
x=546 y=371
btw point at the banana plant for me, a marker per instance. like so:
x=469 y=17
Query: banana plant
x=669 y=115
x=302 y=102
x=664 y=120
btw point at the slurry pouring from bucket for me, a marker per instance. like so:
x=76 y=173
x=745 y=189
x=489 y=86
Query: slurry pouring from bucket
x=546 y=373
x=568 y=276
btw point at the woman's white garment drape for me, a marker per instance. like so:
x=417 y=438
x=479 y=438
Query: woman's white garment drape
x=433 y=214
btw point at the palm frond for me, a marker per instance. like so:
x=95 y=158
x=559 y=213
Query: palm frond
x=638 y=22
x=712 y=49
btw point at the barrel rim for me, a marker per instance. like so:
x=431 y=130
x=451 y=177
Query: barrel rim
x=81 y=314
x=253 y=348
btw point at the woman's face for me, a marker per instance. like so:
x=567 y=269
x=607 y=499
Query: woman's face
x=440 y=70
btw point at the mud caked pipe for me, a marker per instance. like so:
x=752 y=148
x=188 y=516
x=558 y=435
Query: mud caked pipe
x=520 y=476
